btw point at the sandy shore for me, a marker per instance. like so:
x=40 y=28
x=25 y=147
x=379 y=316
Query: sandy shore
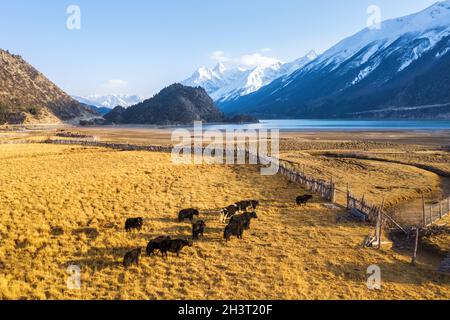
x=163 y=135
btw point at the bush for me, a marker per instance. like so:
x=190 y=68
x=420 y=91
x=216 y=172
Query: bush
x=34 y=110
x=3 y=113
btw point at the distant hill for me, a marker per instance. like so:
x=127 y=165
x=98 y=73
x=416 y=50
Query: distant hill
x=27 y=96
x=176 y=104
x=101 y=110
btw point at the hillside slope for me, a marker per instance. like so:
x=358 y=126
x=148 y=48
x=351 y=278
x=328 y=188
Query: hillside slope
x=27 y=96
x=176 y=104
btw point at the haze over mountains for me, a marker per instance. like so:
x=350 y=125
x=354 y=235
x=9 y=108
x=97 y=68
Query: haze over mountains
x=399 y=71
x=27 y=96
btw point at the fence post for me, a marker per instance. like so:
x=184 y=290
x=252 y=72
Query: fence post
x=348 y=196
x=440 y=209
x=380 y=224
x=424 y=212
x=431 y=214
x=332 y=191
x=416 y=244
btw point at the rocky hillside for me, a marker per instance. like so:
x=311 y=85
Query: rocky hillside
x=27 y=96
x=176 y=104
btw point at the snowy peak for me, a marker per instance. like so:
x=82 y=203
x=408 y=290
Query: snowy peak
x=110 y=101
x=433 y=24
x=224 y=83
x=403 y=64
x=312 y=55
x=220 y=68
x=289 y=68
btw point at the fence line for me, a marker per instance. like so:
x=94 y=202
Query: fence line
x=370 y=211
x=14 y=141
x=327 y=190
x=110 y=145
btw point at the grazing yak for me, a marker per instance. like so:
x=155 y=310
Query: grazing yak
x=302 y=200
x=234 y=229
x=255 y=204
x=134 y=223
x=188 y=214
x=198 y=228
x=155 y=244
x=132 y=257
x=174 y=246
x=243 y=205
x=244 y=219
x=246 y=204
x=228 y=212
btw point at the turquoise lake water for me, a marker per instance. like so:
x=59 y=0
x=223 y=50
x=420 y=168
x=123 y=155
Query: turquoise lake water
x=338 y=125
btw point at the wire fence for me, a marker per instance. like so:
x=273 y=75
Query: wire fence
x=434 y=212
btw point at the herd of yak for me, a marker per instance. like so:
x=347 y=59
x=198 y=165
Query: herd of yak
x=237 y=215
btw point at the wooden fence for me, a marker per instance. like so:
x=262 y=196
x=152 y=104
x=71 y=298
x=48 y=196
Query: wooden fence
x=327 y=190
x=110 y=145
x=366 y=211
x=14 y=141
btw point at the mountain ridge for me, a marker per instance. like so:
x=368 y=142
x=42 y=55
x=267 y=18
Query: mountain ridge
x=110 y=100
x=405 y=64
x=27 y=96
x=224 y=84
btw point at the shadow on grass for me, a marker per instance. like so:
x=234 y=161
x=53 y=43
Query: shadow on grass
x=91 y=233
x=94 y=263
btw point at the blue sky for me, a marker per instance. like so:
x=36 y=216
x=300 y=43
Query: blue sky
x=140 y=46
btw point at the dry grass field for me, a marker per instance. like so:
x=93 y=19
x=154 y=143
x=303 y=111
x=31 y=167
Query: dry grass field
x=373 y=179
x=87 y=193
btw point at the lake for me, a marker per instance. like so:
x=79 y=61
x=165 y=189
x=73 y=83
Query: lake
x=338 y=125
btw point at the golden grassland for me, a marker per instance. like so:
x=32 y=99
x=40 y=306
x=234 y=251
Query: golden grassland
x=440 y=243
x=290 y=253
x=373 y=179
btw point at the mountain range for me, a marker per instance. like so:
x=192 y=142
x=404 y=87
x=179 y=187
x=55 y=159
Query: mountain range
x=401 y=70
x=225 y=84
x=28 y=97
x=109 y=101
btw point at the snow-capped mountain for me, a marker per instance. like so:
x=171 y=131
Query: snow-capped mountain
x=404 y=64
x=426 y=28
x=110 y=101
x=226 y=84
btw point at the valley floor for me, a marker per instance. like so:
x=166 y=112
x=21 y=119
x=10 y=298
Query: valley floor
x=66 y=205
